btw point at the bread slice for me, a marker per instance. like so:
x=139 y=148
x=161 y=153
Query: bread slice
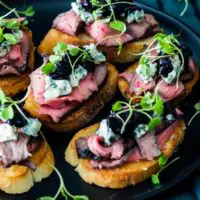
x=124 y=85
x=84 y=114
x=126 y=55
x=18 y=179
x=125 y=175
x=14 y=84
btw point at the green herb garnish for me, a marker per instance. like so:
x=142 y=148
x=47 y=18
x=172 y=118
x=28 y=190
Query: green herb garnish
x=29 y=12
x=62 y=191
x=197 y=108
x=151 y=106
x=6 y=107
x=162 y=161
x=48 y=68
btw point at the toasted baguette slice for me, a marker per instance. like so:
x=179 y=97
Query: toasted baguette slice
x=125 y=175
x=124 y=85
x=125 y=56
x=14 y=84
x=18 y=179
x=84 y=114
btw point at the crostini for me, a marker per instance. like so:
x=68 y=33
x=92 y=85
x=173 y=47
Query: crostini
x=25 y=157
x=16 y=56
x=72 y=87
x=124 y=149
x=165 y=66
x=111 y=24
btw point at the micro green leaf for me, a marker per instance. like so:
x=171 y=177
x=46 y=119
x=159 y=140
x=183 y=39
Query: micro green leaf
x=60 y=48
x=46 y=198
x=55 y=59
x=116 y=106
x=155 y=179
x=29 y=12
x=7 y=113
x=162 y=160
x=159 y=106
x=81 y=197
x=197 y=106
x=25 y=22
x=153 y=123
x=10 y=38
x=48 y=68
x=118 y=25
x=1 y=35
x=12 y=24
x=120 y=48
x=74 y=51
x=2 y=97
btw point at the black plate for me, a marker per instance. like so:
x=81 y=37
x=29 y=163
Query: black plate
x=188 y=152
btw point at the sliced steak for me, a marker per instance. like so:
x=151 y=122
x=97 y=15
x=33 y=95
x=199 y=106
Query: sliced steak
x=15 y=61
x=148 y=146
x=136 y=84
x=68 y=22
x=170 y=92
x=14 y=151
x=96 y=146
x=104 y=35
x=56 y=108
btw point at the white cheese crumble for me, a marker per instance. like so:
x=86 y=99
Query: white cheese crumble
x=4 y=49
x=140 y=130
x=86 y=16
x=176 y=63
x=95 y=54
x=56 y=88
x=79 y=74
x=7 y=132
x=169 y=117
x=32 y=128
x=106 y=132
x=147 y=71
x=136 y=16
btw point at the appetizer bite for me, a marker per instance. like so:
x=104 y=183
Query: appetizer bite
x=25 y=157
x=16 y=56
x=125 y=148
x=165 y=66
x=72 y=87
x=111 y=24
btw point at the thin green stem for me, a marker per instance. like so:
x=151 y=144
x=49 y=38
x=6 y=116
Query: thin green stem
x=197 y=113
x=7 y=14
x=185 y=8
x=9 y=8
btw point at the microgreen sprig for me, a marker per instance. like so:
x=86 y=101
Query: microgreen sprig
x=169 y=45
x=197 y=108
x=29 y=12
x=185 y=8
x=62 y=191
x=149 y=103
x=62 y=49
x=6 y=107
x=162 y=161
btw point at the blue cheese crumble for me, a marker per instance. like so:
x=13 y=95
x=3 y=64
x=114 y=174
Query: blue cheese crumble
x=32 y=128
x=136 y=16
x=79 y=74
x=106 y=132
x=147 y=71
x=7 y=133
x=95 y=54
x=57 y=88
x=86 y=16
x=172 y=76
x=140 y=130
